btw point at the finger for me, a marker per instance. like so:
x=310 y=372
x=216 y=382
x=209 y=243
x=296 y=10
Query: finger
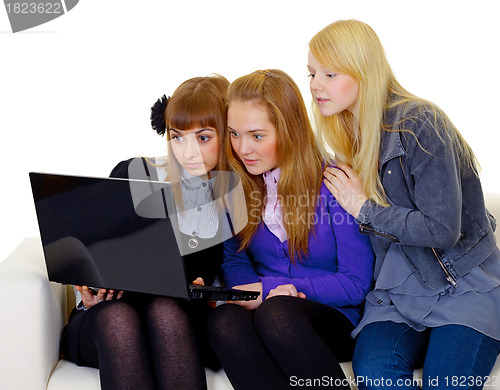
x=87 y=294
x=327 y=180
x=199 y=281
x=119 y=295
x=340 y=169
x=348 y=171
x=301 y=295
x=87 y=297
x=101 y=295
x=292 y=289
x=337 y=177
x=334 y=191
x=340 y=174
x=110 y=295
x=284 y=289
x=329 y=174
x=272 y=293
x=278 y=291
x=344 y=170
x=329 y=170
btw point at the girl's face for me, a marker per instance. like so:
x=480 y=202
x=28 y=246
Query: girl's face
x=331 y=90
x=197 y=150
x=253 y=136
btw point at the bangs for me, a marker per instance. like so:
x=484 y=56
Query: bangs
x=326 y=52
x=339 y=46
x=192 y=110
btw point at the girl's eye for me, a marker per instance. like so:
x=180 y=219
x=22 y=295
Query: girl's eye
x=310 y=75
x=257 y=136
x=177 y=138
x=233 y=133
x=330 y=75
x=204 y=138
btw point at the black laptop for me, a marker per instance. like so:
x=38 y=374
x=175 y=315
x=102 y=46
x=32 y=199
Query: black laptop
x=94 y=232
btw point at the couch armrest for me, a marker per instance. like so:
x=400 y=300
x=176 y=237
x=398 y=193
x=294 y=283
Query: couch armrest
x=32 y=318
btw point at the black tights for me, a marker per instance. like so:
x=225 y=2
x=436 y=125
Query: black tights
x=286 y=339
x=145 y=343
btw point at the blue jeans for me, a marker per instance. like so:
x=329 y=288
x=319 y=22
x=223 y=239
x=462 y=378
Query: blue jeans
x=453 y=357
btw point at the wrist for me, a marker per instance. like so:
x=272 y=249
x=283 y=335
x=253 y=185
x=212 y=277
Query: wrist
x=364 y=212
x=359 y=205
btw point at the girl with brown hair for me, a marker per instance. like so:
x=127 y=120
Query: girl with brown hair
x=141 y=341
x=300 y=249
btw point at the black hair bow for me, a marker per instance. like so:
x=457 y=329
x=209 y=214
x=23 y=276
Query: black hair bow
x=158 y=115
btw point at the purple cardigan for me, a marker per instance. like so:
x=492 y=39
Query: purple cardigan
x=338 y=270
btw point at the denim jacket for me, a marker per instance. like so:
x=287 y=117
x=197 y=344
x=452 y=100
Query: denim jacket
x=437 y=211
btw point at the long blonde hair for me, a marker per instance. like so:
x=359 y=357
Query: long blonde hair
x=355 y=49
x=297 y=156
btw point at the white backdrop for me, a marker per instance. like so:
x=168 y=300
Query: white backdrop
x=75 y=93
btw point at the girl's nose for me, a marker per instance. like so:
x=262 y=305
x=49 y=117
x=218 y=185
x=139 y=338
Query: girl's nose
x=192 y=148
x=244 y=146
x=315 y=84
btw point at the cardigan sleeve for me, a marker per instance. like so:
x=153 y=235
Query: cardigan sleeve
x=237 y=267
x=349 y=284
x=337 y=271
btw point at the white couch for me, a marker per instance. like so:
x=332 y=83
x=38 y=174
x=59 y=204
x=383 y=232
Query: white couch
x=34 y=311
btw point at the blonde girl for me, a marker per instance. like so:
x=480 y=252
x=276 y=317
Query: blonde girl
x=411 y=181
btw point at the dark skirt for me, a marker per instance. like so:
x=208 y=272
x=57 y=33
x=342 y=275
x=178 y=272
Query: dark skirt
x=197 y=311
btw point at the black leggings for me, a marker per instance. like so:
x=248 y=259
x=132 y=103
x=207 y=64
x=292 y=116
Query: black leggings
x=284 y=341
x=143 y=342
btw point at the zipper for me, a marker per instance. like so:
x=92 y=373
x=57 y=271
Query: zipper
x=449 y=278
x=364 y=227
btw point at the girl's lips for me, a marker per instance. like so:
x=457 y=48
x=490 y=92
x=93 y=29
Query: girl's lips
x=193 y=165
x=322 y=101
x=250 y=162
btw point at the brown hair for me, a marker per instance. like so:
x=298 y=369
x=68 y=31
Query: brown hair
x=197 y=102
x=297 y=156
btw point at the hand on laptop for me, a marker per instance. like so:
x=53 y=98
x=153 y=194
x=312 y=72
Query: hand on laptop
x=199 y=280
x=90 y=299
x=286 y=289
x=250 y=305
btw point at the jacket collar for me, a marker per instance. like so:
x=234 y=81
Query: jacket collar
x=390 y=142
x=390 y=146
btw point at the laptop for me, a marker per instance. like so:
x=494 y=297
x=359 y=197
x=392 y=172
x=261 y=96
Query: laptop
x=94 y=232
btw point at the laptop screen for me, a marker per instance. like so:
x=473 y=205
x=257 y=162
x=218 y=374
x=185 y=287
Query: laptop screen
x=93 y=235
